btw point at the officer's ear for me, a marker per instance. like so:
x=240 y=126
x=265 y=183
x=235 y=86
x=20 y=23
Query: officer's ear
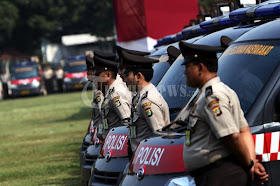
x=138 y=75
x=200 y=67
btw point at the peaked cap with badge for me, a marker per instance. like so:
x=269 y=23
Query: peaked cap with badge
x=193 y=52
x=134 y=52
x=173 y=53
x=105 y=55
x=136 y=62
x=101 y=65
x=89 y=62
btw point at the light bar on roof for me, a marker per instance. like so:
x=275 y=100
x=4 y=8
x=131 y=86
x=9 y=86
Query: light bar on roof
x=193 y=31
x=221 y=21
x=179 y=37
x=266 y=10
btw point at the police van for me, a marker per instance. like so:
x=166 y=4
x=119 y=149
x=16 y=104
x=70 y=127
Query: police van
x=25 y=79
x=251 y=67
x=75 y=73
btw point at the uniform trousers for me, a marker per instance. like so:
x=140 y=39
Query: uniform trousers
x=224 y=172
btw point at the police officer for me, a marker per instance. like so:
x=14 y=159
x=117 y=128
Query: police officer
x=215 y=153
x=115 y=109
x=149 y=110
x=98 y=96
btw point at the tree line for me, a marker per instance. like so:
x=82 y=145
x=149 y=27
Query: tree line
x=24 y=23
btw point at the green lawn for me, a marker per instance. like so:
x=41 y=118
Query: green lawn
x=40 y=139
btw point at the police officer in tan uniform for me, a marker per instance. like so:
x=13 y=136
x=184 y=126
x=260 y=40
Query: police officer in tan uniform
x=149 y=110
x=215 y=153
x=98 y=96
x=115 y=109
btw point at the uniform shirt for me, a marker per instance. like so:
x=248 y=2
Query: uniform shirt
x=5 y=78
x=116 y=105
x=59 y=74
x=48 y=74
x=213 y=114
x=151 y=113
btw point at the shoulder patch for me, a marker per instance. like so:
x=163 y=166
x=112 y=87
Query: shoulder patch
x=146 y=104
x=145 y=95
x=117 y=103
x=216 y=110
x=208 y=91
x=98 y=99
x=148 y=112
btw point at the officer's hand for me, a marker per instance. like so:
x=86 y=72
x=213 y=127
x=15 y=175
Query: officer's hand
x=252 y=173
x=260 y=174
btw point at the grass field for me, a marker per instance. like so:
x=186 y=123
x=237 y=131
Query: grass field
x=40 y=139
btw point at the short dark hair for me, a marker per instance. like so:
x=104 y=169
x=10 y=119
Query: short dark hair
x=114 y=74
x=211 y=64
x=147 y=73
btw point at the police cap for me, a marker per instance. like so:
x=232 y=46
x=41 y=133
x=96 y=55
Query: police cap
x=135 y=62
x=173 y=53
x=102 y=65
x=203 y=53
x=89 y=62
x=105 y=55
x=134 y=52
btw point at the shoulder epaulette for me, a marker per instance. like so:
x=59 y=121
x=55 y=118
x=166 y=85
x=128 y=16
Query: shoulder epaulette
x=145 y=95
x=208 y=91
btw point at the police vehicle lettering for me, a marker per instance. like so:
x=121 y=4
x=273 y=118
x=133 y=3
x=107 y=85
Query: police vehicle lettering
x=150 y=156
x=115 y=142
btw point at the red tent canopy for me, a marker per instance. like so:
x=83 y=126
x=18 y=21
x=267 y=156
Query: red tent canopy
x=137 y=19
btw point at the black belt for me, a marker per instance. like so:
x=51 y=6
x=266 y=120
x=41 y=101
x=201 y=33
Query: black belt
x=215 y=164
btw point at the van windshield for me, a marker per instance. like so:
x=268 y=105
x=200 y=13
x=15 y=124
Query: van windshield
x=24 y=72
x=246 y=67
x=159 y=71
x=173 y=87
x=75 y=66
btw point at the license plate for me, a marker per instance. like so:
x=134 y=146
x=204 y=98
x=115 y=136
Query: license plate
x=78 y=86
x=25 y=92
